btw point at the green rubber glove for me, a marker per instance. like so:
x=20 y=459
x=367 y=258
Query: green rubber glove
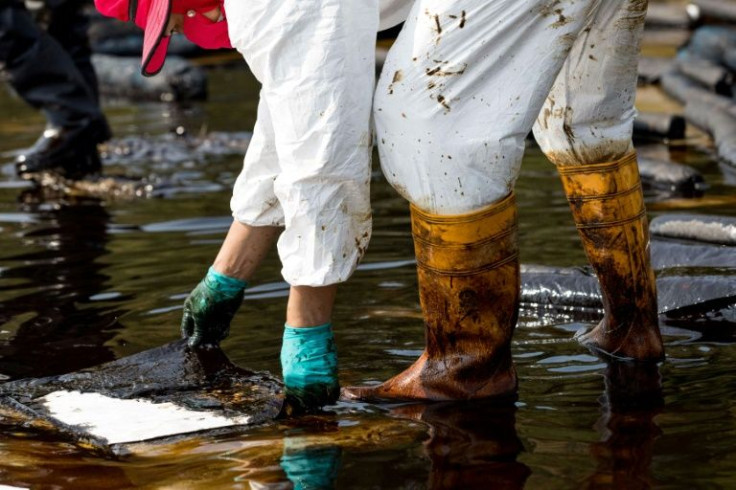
x=210 y=308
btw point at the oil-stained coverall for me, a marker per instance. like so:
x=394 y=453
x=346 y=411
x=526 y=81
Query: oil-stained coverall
x=462 y=87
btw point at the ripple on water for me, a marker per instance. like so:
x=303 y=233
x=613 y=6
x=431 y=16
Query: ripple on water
x=214 y=223
x=18 y=218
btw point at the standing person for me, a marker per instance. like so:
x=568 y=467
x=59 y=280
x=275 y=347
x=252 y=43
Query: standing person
x=306 y=175
x=462 y=87
x=48 y=64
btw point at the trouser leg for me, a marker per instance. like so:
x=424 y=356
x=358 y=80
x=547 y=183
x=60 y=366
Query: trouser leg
x=41 y=71
x=48 y=77
x=585 y=128
x=68 y=24
x=315 y=61
x=588 y=114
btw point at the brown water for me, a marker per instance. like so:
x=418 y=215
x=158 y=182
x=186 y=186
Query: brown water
x=90 y=282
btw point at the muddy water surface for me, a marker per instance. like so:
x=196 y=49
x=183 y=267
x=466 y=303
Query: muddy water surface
x=87 y=282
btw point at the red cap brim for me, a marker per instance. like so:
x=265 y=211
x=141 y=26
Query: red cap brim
x=155 y=43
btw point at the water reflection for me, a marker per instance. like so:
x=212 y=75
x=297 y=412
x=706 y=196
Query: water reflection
x=32 y=462
x=308 y=467
x=471 y=445
x=633 y=398
x=53 y=320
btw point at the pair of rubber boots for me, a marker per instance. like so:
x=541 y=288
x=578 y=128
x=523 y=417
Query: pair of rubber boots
x=468 y=274
x=70 y=151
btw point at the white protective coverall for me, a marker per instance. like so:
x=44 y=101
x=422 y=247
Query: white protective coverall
x=308 y=164
x=461 y=88
x=466 y=81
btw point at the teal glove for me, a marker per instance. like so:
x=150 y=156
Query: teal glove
x=210 y=308
x=309 y=366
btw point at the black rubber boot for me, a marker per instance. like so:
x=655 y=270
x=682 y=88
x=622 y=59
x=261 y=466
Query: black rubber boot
x=70 y=152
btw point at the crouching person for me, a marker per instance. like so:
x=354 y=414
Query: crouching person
x=306 y=175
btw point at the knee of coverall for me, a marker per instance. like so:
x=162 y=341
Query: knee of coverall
x=567 y=140
x=589 y=113
x=438 y=147
x=450 y=175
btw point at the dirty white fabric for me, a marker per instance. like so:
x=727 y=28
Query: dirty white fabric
x=308 y=165
x=466 y=79
x=393 y=12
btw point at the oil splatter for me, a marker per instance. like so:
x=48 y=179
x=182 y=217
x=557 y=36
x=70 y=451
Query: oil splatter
x=566 y=41
x=569 y=132
x=442 y=101
x=437 y=24
x=439 y=71
x=547 y=113
x=561 y=19
x=398 y=76
x=549 y=9
x=636 y=12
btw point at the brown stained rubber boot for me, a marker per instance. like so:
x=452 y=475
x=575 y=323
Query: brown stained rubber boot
x=468 y=273
x=608 y=206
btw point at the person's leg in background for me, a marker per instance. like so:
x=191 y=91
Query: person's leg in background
x=68 y=25
x=585 y=128
x=48 y=77
x=460 y=91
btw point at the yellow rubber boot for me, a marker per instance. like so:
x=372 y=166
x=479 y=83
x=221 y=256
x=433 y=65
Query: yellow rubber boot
x=608 y=207
x=468 y=274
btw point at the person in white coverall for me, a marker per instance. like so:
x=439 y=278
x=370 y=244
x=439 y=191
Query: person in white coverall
x=462 y=87
x=306 y=176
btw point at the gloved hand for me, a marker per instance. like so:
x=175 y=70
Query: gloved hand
x=309 y=367
x=210 y=308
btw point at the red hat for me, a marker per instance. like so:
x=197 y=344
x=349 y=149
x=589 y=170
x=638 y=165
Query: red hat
x=153 y=16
